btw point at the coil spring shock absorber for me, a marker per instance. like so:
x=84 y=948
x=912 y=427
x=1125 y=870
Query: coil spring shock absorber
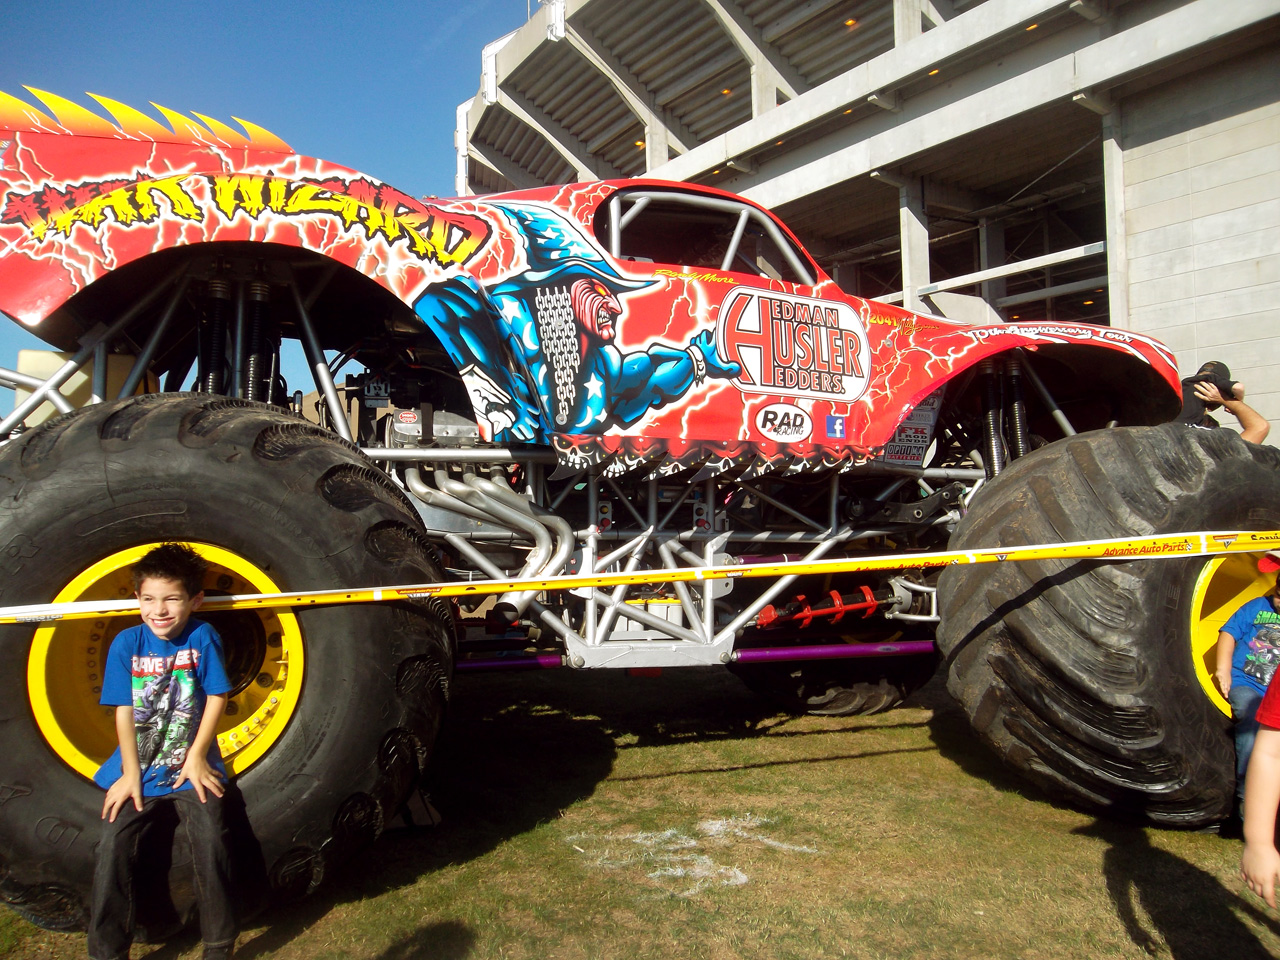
x=1020 y=436
x=993 y=417
x=258 y=367
x=213 y=357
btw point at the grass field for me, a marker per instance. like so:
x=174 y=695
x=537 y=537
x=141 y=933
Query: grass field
x=606 y=816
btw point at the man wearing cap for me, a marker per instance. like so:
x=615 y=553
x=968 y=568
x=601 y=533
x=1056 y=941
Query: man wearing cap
x=1248 y=652
x=1212 y=387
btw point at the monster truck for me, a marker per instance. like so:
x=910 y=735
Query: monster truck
x=617 y=376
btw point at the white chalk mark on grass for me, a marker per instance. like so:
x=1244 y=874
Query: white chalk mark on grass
x=701 y=869
x=676 y=855
x=743 y=827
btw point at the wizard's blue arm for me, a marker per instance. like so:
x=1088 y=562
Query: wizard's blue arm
x=655 y=377
x=462 y=318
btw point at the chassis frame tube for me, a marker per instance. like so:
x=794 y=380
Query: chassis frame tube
x=541 y=661
x=826 y=651
x=833 y=651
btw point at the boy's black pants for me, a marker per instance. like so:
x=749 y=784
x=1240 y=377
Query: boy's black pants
x=112 y=906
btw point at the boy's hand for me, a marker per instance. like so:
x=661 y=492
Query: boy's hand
x=123 y=790
x=1224 y=681
x=1259 y=867
x=202 y=776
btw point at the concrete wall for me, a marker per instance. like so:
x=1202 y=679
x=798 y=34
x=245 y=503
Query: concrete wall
x=1202 y=211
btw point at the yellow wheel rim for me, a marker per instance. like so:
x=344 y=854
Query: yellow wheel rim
x=1224 y=584
x=264 y=651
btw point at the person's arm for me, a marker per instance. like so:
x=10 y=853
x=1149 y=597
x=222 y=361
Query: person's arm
x=1226 y=650
x=129 y=786
x=1253 y=426
x=1260 y=863
x=196 y=766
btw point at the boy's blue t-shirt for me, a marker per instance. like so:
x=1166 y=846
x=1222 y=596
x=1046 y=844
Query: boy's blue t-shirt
x=167 y=683
x=1256 y=627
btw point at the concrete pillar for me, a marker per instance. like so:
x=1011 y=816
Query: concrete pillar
x=655 y=145
x=914 y=230
x=1117 y=230
x=991 y=254
x=764 y=89
x=907 y=23
x=909 y=17
x=847 y=276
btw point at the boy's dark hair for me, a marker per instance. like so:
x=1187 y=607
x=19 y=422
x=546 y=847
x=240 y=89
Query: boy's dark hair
x=171 y=561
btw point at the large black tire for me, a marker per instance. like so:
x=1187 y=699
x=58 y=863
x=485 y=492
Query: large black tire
x=1080 y=674
x=855 y=687
x=303 y=506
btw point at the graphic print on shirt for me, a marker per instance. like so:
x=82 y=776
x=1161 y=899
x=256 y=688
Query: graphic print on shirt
x=1264 y=649
x=164 y=697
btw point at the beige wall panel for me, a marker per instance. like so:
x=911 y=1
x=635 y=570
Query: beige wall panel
x=1230 y=223
x=1246 y=274
x=1258 y=163
x=1160 y=239
x=1165 y=290
x=1157 y=318
x=1238 y=304
x=1235 y=195
x=1242 y=247
x=1157 y=215
x=1170 y=263
x=1145 y=193
x=1180 y=337
x=1175 y=159
x=1202 y=189
x=1260 y=133
x=1249 y=330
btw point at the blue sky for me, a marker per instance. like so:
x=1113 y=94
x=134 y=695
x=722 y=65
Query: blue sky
x=374 y=86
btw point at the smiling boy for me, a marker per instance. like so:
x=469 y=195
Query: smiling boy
x=166 y=680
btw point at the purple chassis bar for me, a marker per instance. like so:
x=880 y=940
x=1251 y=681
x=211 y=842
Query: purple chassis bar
x=543 y=661
x=826 y=651
x=833 y=651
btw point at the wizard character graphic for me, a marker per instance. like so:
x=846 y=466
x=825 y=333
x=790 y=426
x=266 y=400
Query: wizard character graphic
x=558 y=321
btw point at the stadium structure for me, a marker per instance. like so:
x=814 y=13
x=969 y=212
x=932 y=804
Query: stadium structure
x=1108 y=161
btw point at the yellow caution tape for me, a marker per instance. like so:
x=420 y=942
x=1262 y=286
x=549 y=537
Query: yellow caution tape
x=1168 y=546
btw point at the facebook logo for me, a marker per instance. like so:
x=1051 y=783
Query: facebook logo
x=835 y=428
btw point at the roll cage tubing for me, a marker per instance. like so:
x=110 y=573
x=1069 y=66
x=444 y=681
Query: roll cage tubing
x=639 y=199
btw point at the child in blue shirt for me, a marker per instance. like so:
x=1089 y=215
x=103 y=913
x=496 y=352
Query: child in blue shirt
x=1248 y=652
x=166 y=679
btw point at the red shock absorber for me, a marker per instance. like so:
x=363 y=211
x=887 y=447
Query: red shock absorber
x=835 y=606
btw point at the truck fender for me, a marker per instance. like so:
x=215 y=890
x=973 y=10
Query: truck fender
x=60 y=241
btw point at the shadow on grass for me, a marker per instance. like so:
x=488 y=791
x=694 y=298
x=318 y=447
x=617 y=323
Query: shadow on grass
x=1189 y=909
x=436 y=941
x=804 y=761
x=514 y=753
x=446 y=940
x=1162 y=901
x=950 y=732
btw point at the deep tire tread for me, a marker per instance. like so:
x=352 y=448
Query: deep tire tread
x=263 y=447
x=1061 y=665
